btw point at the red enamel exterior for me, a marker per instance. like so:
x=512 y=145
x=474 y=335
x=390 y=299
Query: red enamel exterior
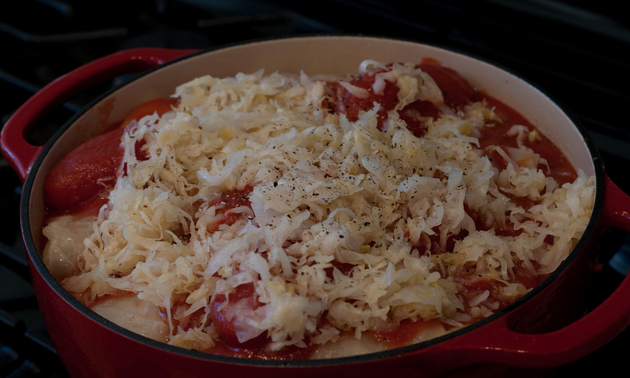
x=546 y=330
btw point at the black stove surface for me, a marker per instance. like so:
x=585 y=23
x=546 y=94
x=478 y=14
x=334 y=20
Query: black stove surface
x=574 y=51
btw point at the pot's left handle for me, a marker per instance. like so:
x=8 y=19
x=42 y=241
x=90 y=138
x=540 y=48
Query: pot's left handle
x=18 y=151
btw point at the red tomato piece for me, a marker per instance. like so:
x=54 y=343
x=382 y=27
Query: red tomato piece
x=75 y=183
x=85 y=172
x=158 y=105
x=223 y=318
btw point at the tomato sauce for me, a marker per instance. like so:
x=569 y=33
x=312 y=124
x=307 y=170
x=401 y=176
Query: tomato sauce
x=559 y=166
x=456 y=91
x=475 y=285
x=351 y=105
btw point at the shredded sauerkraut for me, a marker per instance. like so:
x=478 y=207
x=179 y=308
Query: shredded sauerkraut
x=343 y=227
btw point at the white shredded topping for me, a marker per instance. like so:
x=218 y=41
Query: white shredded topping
x=326 y=193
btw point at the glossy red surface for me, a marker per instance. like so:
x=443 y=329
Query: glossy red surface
x=77 y=177
x=546 y=330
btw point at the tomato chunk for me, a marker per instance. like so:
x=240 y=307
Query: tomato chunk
x=158 y=105
x=81 y=180
x=223 y=317
x=85 y=172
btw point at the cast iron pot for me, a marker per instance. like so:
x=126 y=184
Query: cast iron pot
x=546 y=328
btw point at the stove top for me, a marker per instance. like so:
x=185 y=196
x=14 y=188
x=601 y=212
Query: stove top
x=574 y=51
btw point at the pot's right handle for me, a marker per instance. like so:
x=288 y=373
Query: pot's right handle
x=18 y=151
x=496 y=343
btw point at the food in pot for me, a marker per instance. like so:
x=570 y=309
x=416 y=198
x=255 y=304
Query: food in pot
x=291 y=216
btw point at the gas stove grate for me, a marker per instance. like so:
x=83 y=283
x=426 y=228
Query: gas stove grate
x=577 y=55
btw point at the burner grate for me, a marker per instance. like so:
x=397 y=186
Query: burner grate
x=584 y=65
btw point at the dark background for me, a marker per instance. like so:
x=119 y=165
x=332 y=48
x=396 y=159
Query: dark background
x=576 y=52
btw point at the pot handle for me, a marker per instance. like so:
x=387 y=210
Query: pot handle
x=497 y=343
x=18 y=151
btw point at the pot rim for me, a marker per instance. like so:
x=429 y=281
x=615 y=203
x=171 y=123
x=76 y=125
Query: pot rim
x=35 y=258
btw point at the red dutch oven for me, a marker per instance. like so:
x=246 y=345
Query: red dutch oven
x=546 y=328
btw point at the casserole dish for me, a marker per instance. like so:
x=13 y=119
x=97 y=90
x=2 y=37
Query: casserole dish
x=545 y=328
